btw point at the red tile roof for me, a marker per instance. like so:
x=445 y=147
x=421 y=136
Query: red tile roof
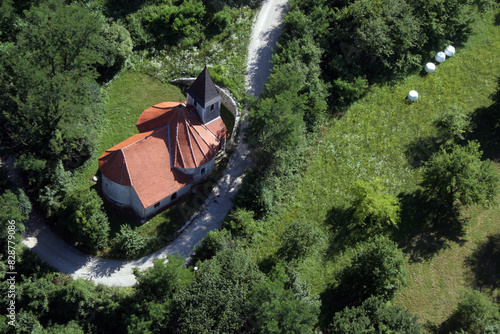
x=172 y=136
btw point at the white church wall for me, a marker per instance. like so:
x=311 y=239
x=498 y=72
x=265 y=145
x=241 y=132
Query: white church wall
x=166 y=201
x=116 y=192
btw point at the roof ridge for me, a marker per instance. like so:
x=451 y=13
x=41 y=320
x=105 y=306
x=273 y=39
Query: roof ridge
x=188 y=135
x=198 y=144
x=126 y=169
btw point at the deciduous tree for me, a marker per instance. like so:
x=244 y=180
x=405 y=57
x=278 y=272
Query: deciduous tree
x=459 y=175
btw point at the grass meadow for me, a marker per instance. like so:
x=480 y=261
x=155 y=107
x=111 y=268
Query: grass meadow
x=382 y=136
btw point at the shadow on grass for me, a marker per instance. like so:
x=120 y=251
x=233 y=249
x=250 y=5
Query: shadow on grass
x=346 y=232
x=486 y=125
x=332 y=301
x=485 y=264
x=427 y=226
x=421 y=150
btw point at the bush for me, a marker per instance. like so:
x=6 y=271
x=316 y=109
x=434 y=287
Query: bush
x=377 y=269
x=375 y=316
x=214 y=242
x=129 y=243
x=459 y=175
x=473 y=315
x=85 y=219
x=375 y=38
x=373 y=207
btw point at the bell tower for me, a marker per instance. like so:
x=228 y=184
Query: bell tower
x=202 y=94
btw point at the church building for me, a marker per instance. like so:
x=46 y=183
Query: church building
x=174 y=149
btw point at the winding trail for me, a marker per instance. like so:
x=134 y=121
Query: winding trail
x=53 y=250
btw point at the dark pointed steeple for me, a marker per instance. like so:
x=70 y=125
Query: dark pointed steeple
x=203 y=90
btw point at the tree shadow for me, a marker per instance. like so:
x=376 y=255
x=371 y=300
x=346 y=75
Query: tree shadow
x=421 y=150
x=486 y=127
x=332 y=301
x=485 y=264
x=427 y=226
x=346 y=232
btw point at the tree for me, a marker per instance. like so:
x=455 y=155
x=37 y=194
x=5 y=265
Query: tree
x=129 y=242
x=49 y=91
x=216 y=301
x=443 y=21
x=214 y=242
x=453 y=125
x=151 y=311
x=278 y=309
x=374 y=316
x=375 y=38
x=14 y=211
x=372 y=207
x=459 y=175
x=303 y=239
x=85 y=219
x=377 y=269
x=241 y=222
x=473 y=315
x=163 y=279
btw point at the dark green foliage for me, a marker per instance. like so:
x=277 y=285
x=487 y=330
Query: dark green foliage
x=302 y=240
x=459 y=175
x=216 y=301
x=85 y=219
x=14 y=208
x=169 y=23
x=117 y=47
x=241 y=223
x=443 y=21
x=473 y=315
x=154 y=291
x=377 y=269
x=71 y=327
x=214 y=242
x=453 y=126
x=8 y=20
x=277 y=308
x=216 y=5
x=161 y=281
x=375 y=38
x=128 y=242
x=375 y=316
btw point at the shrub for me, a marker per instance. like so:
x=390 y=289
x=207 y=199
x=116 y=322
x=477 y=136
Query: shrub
x=377 y=269
x=459 y=174
x=129 y=243
x=373 y=207
x=375 y=316
x=473 y=315
x=85 y=219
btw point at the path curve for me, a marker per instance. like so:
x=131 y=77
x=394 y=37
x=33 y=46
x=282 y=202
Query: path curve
x=53 y=250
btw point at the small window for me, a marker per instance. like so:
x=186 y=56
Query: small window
x=157 y=205
x=212 y=107
x=173 y=197
x=202 y=171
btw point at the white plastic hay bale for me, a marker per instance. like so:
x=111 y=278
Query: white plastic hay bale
x=413 y=95
x=430 y=67
x=95 y=178
x=449 y=51
x=440 y=57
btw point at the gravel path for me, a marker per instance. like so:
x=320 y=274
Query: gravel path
x=67 y=259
